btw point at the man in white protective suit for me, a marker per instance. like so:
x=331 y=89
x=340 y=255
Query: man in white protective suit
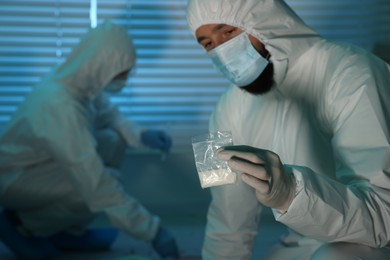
x=310 y=121
x=60 y=157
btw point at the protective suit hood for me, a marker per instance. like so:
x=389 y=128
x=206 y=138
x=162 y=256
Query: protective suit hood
x=272 y=22
x=102 y=53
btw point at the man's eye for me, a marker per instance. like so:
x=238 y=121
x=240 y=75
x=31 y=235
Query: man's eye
x=206 y=45
x=229 y=32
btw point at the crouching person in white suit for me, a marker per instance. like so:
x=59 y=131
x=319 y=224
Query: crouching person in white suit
x=61 y=152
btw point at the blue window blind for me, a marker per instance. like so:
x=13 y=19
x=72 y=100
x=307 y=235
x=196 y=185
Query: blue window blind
x=174 y=86
x=364 y=22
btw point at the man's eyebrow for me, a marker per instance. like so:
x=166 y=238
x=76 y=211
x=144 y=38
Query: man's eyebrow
x=214 y=30
x=218 y=27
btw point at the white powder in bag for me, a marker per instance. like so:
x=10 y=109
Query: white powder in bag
x=216 y=177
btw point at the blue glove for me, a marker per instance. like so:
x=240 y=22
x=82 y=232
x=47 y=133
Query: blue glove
x=165 y=244
x=157 y=139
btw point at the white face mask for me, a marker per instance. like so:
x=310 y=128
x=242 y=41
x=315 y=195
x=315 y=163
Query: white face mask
x=115 y=86
x=238 y=60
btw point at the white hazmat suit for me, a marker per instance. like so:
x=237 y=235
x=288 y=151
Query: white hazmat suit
x=50 y=171
x=328 y=117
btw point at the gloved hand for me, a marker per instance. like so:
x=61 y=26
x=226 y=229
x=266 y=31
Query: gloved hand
x=165 y=244
x=261 y=169
x=157 y=139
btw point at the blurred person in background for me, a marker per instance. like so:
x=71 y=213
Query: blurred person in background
x=61 y=153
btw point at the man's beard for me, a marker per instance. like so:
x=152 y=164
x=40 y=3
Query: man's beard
x=264 y=82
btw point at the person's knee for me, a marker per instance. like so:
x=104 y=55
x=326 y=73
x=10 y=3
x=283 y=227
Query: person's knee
x=111 y=147
x=334 y=251
x=342 y=251
x=108 y=138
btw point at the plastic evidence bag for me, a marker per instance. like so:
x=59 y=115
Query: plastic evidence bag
x=211 y=170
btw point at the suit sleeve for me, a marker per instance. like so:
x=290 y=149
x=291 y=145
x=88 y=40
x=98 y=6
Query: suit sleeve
x=108 y=115
x=356 y=206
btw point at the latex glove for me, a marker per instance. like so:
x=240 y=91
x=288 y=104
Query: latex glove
x=157 y=139
x=262 y=169
x=165 y=244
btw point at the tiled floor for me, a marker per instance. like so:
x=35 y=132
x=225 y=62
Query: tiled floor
x=189 y=238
